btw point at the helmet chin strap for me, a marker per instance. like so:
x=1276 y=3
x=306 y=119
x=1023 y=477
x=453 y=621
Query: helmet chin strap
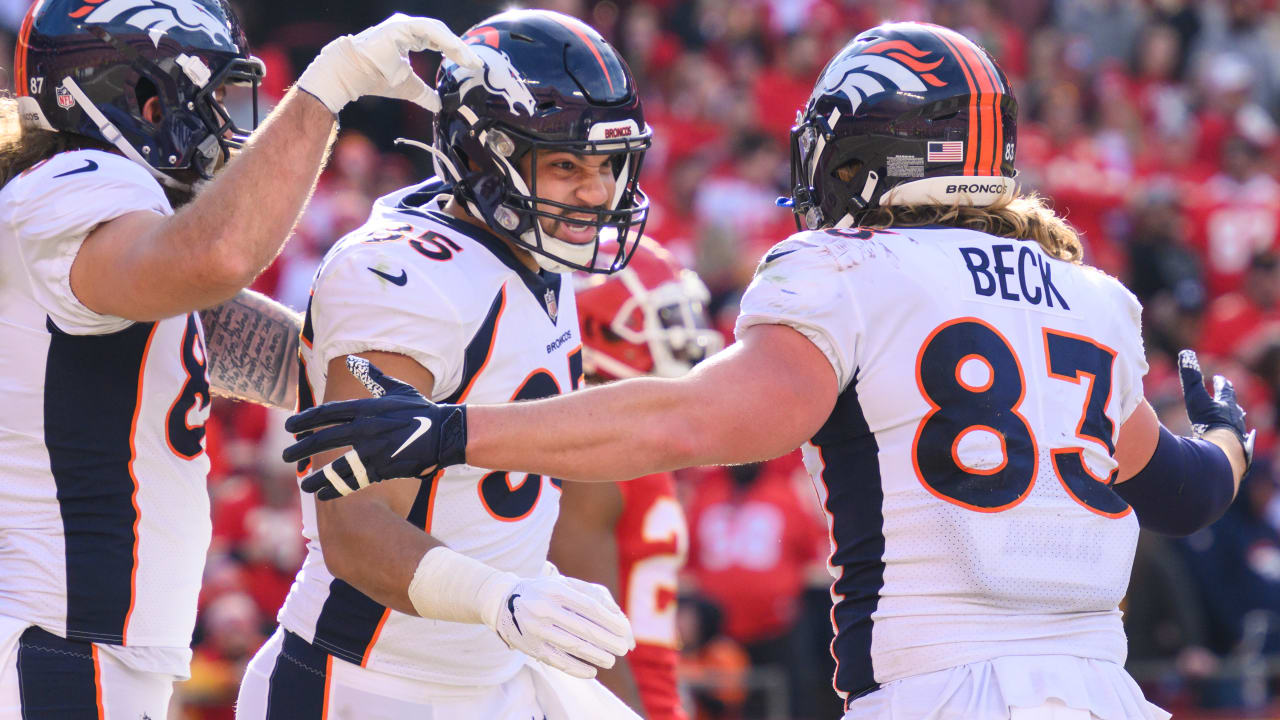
x=113 y=136
x=580 y=254
x=436 y=155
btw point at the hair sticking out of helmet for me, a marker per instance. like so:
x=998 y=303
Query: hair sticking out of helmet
x=549 y=84
x=649 y=318
x=906 y=114
x=89 y=68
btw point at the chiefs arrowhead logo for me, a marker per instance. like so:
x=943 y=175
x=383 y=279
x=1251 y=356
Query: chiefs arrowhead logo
x=155 y=16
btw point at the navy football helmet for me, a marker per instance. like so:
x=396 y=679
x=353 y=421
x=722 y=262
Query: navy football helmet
x=905 y=114
x=549 y=83
x=88 y=67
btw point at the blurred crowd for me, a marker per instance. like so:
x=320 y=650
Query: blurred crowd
x=1150 y=124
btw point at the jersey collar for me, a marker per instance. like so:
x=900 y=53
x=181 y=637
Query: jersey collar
x=544 y=285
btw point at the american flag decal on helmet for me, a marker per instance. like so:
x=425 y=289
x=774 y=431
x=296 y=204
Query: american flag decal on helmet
x=945 y=151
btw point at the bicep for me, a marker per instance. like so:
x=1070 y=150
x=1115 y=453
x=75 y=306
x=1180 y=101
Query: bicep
x=398 y=494
x=1137 y=441
x=107 y=274
x=764 y=396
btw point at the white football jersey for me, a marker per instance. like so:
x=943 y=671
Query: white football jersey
x=964 y=470
x=105 y=511
x=416 y=281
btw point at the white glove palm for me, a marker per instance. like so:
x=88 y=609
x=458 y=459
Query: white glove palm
x=376 y=62
x=565 y=623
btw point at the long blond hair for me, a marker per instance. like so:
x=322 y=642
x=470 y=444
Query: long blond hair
x=1022 y=217
x=22 y=147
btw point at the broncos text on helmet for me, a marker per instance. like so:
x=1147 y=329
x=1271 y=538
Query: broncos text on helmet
x=906 y=114
x=89 y=66
x=549 y=84
x=650 y=318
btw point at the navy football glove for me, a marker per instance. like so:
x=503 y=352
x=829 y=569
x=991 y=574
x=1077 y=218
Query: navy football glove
x=1206 y=412
x=396 y=433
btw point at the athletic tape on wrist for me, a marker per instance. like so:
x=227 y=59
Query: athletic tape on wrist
x=451 y=586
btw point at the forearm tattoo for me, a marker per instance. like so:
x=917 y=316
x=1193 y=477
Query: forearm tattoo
x=253 y=349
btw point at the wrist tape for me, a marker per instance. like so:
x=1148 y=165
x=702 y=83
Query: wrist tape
x=451 y=586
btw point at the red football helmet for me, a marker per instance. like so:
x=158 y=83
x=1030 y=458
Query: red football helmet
x=650 y=318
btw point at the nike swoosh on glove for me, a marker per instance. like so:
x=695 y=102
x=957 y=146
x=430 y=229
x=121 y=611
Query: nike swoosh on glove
x=1205 y=412
x=565 y=623
x=396 y=433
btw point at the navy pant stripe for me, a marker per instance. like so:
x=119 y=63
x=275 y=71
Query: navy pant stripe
x=57 y=678
x=90 y=398
x=296 y=688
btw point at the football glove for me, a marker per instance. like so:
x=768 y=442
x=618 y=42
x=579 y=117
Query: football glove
x=1220 y=411
x=376 y=62
x=564 y=622
x=396 y=433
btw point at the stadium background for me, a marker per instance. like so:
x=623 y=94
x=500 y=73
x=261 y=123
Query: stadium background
x=1151 y=124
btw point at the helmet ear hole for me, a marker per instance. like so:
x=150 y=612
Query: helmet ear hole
x=847 y=172
x=144 y=91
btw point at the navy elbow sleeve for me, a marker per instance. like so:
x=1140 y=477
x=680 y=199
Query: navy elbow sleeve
x=1186 y=486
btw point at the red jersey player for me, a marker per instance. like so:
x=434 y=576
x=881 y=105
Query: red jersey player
x=648 y=319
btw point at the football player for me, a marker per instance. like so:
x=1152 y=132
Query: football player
x=431 y=595
x=105 y=374
x=650 y=318
x=967 y=393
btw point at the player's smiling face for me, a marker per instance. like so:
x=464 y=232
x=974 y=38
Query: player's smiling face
x=582 y=180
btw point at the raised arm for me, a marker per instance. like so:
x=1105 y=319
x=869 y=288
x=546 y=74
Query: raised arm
x=145 y=266
x=219 y=242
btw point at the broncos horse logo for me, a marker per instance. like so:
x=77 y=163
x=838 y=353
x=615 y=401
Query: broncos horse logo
x=899 y=62
x=498 y=75
x=156 y=16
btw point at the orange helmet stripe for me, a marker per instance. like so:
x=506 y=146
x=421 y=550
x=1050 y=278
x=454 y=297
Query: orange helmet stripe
x=20 y=51
x=984 y=108
x=991 y=106
x=975 y=129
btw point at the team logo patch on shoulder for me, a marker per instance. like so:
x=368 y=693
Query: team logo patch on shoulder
x=155 y=16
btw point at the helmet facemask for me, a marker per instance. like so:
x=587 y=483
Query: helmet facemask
x=194 y=134
x=550 y=83
x=221 y=126
x=674 y=323
x=513 y=207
